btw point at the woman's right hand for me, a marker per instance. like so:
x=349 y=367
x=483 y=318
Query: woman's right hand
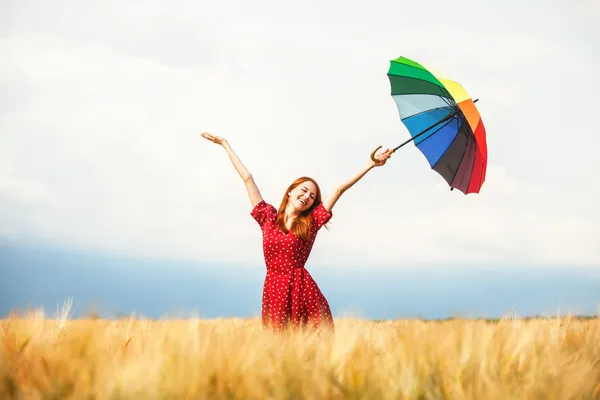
x=213 y=138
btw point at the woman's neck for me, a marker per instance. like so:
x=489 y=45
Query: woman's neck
x=290 y=212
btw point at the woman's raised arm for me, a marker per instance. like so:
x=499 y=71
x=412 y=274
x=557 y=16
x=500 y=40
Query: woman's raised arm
x=376 y=161
x=253 y=192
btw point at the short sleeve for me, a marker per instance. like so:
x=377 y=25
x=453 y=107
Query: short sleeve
x=263 y=213
x=321 y=216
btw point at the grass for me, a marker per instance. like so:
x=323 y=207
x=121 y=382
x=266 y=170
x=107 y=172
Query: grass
x=135 y=358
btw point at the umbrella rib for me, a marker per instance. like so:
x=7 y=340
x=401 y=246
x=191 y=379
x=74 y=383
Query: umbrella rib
x=461 y=157
x=416 y=136
x=426 y=111
x=470 y=135
x=446 y=119
x=476 y=149
x=420 y=70
x=438 y=129
x=441 y=91
x=473 y=168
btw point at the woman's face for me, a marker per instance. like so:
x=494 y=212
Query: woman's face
x=303 y=196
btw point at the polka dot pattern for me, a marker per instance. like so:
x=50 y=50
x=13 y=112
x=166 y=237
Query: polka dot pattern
x=291 y=298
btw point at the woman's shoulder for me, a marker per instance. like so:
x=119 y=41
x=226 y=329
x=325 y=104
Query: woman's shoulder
x=263 y=211
x=320 y=210
x=320 y=216
x=264 y=206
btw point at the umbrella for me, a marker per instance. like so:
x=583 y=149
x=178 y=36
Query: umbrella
x=443 y=121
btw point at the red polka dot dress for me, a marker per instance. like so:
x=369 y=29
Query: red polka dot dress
x=291 y=298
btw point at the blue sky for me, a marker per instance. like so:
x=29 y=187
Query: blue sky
x=102 y=103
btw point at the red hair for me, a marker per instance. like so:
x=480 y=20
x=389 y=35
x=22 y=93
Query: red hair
x=302 y=224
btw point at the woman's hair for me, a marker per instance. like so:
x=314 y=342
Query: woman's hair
x=302 y=224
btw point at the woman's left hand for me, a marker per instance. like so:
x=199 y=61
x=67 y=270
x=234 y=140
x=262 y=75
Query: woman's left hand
x=381 y=158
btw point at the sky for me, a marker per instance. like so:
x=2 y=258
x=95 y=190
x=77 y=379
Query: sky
x=102 y=105
x=48 y=280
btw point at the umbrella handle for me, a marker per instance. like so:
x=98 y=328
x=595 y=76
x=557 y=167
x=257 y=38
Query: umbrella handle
x=375 y=151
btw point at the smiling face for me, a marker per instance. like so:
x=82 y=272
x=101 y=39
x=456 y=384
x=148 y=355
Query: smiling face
x=300 y=198
x=303 y=196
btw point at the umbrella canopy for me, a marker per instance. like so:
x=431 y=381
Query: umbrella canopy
x=443 y=121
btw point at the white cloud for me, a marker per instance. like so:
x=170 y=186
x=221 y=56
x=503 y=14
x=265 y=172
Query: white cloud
x=21 y=191
x=102 y=151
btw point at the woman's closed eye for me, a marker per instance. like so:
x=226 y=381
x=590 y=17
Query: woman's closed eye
x=312 y=195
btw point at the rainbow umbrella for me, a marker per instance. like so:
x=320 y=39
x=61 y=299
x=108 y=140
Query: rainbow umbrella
x=443 y=121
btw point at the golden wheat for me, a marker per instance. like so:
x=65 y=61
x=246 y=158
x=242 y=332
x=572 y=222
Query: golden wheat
x=133 y=358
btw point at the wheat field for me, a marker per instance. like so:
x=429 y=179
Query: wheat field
x=137 y=358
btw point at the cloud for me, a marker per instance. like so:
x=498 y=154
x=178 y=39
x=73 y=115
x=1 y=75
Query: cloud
x=101 y=150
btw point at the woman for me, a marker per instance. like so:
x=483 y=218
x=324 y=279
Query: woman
x=291 y=298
